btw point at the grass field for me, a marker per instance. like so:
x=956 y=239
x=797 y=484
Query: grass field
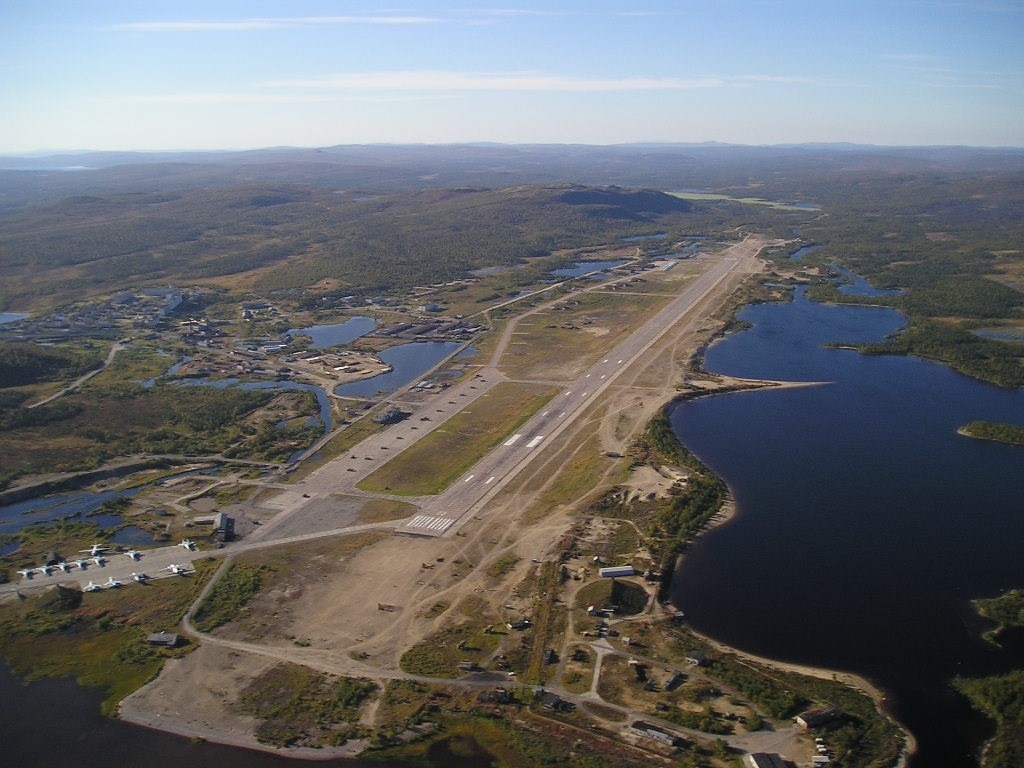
x=433 y=463
x=565 y=339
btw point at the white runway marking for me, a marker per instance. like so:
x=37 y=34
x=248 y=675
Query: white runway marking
x=489 y=480
x=512 y=440
x=430 y=523
x=535 y=441
x=470 y=478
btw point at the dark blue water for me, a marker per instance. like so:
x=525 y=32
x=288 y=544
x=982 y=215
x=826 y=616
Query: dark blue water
x=587 y=267
x=336 y=333
x=61 y=506
x=642 y=238
x=855 y=285
x=57 y=723
x=865 y=523
x=408 y=362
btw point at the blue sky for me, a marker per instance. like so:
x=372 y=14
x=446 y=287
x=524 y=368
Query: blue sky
x=230 y=75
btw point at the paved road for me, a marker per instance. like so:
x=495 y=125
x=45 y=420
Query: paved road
x=444 y=513
x=114 y=567
x=469 y=493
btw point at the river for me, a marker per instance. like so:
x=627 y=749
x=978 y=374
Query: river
x=865 y=523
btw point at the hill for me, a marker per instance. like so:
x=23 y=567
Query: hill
x=277 y=235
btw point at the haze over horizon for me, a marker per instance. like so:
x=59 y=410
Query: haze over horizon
x=242 y=75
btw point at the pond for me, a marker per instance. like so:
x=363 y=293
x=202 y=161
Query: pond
x=77 y=506
x=407 y=361
x=336 y=334
x=582 y=268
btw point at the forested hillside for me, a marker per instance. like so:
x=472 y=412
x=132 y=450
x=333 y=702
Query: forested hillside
x=942 y=225
x=271 y=236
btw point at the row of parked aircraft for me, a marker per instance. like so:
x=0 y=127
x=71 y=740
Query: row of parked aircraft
x=96 y=557
x=138 y=578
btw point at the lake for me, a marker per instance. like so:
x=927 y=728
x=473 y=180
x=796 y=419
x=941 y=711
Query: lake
x=74 y=506
x=407 y=361
x=334 y=334
x=581 y=268
x=56 y=722
x=865 y=524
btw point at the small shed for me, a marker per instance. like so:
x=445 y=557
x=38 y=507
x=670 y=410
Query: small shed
x=697 y=658
x=617 y=571
x=224 y=527
x=166 y=639
x=554 y=702
x=657 y=733
x=816 y=718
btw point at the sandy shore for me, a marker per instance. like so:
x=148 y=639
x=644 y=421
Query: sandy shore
x=846 y=678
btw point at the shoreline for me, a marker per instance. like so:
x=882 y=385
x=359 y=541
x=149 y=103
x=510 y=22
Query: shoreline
x=727 y=513
x=849 y=679
x=128 y=712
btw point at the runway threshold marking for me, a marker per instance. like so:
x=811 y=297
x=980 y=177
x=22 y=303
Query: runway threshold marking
x=512 y=440
x=430 y=523
x=535 y=441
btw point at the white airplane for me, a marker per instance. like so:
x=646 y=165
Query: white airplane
x=91 y=587
x=44 y=569
x=187 y=544
x=112 y=583
x=95 y=549
x=141 y=578
x=83 y=564
x=99 y=560
x=180 y=570
x=64 y=566
x=27 y=573
x=133 y=554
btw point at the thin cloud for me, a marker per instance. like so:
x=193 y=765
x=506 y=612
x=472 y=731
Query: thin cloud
x=438 y=80
x=263 y=98
x=913 y=58
x=505 y=81
x=256 y=24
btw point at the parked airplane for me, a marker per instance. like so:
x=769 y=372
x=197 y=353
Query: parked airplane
x=112 y=583
x=187 y=544
x=141 y=578
x=44 y=569
x=99 y=560
x=83 y=564
x=133 y=554
x=91 y=587
x=27 y=573
x=180 y=570
x=65 y=566
x=95 y=549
